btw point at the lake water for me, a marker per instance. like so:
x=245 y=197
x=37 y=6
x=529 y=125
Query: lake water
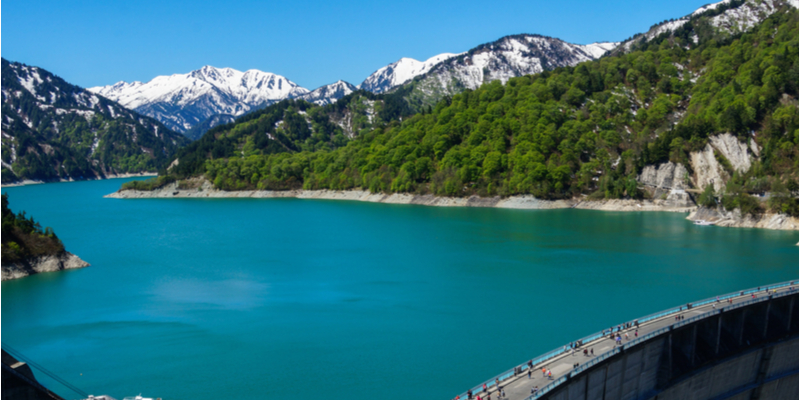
x=313 y=299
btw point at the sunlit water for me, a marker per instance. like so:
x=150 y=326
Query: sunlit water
x=304 y=299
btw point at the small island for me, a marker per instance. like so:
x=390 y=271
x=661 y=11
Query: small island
x=28 y=249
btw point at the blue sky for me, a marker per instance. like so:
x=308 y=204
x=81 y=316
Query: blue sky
x=312 y=43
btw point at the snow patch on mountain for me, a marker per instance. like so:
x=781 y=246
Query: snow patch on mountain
x=748 y=15
x=328 y=94
x=506 y=58
x=596 y=50
x=733 y=20
x=400 y=72
x=183 y=100
x=709 y=7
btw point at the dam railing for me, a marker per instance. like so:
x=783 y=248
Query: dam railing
x=538 y=362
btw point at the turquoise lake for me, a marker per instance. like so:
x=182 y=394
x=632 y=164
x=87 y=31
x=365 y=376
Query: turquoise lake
x=313 y=299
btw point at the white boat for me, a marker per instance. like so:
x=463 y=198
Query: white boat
x=703 y=222
x=139 y=397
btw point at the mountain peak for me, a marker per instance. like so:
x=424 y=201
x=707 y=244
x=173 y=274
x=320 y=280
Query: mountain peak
x=400 y=72
x=183 y=100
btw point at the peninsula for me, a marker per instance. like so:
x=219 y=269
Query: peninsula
x=28 y=249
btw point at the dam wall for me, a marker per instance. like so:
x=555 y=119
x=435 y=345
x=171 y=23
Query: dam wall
x=744 y=351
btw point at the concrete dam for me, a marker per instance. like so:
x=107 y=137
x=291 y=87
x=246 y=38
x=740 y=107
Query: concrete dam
x=743 y=345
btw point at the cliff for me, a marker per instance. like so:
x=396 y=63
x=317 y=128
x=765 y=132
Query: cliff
x=35 y=265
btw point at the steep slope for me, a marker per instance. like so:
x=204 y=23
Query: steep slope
x=717 y=20
x=328 y=94
x=198 y=130
x=53 y=130
x=505 y=58
x=400 y=72
x=181 y=101
x=652 y=122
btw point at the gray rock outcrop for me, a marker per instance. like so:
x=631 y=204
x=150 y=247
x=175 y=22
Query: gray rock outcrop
x=708 y=171
x=36 y=265
x=734 y=218
x=667 y=183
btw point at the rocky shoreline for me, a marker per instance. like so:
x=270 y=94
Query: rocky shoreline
x=205 y=189
x=27 y=182
x=674 y=202
x=37 y=265
x=721 y=217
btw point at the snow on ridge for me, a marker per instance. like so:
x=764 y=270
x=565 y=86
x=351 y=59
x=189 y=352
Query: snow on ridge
x=253 y=87
x=30 y=81
x=401 y=71
x=596 y=50
x=710 y=7
x=327 y=94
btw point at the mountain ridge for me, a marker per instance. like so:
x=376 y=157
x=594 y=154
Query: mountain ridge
x=53 y=130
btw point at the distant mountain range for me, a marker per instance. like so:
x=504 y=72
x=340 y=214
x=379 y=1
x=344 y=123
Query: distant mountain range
x=52 y=130
x=194 y=102
x=181 y=101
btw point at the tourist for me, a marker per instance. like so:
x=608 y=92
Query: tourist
x=529 y=373
x=484 y=388
x=502 y=392
x=636 y=333
x=592 y=351
x=544 y=372
x=469 y=394
x=626 y=337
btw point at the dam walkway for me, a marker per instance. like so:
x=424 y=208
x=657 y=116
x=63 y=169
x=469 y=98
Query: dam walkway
x=564 y=362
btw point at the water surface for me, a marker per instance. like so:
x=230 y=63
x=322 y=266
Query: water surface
x=311 y=299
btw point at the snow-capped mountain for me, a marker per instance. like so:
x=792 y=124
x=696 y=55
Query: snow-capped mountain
x=328 y=94
x=181 y=101
x=506 y=58
x=400 y=72
x=724 y=16
x=54 y=130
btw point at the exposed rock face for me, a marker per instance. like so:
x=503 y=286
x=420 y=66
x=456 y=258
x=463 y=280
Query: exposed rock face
x=667 y=183
x=708 y=170
x=61 y=262
x=734 y=218
x=735 y=151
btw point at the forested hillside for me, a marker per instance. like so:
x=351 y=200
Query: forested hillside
x=588 y=129
x=292 y=126
x=54 y=130
x=24 y=238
